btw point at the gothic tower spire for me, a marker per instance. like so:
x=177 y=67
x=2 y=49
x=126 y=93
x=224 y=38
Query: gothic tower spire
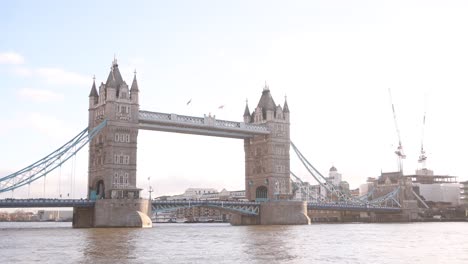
x=285 y=107
x=93 y=92
x=134 y=83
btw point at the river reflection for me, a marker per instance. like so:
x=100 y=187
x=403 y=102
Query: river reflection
x=109 y=245
x=221 y=243
x=267 y=243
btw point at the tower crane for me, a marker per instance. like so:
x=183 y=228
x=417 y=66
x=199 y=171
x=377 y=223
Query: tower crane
x=399 y=151
x=422 y=155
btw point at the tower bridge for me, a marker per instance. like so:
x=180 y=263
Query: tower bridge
x=114 y=120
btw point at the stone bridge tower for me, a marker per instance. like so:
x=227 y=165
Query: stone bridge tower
x=113 y=152
x=267 y=157
x=112 y=158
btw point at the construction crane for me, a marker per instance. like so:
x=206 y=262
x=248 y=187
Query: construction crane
x=422 y=155
x=399 y=151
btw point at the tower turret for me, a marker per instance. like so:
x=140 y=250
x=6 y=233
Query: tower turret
x=114 y=82
x=134 y=90
x=247 y=112
x=286 y=109
x=267 y=104
x=93 y=95
x=102 y=93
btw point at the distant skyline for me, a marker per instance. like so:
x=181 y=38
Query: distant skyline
x=334 y=60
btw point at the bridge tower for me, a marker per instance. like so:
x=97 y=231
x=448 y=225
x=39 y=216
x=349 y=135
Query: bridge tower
x=112 y=157
x=267 y=156
x=113 y=153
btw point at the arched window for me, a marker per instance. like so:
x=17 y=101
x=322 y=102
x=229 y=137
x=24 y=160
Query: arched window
x=261 y=193
x=100 y=191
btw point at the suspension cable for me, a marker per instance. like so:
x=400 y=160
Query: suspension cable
x=49 y=163
x=334 y=190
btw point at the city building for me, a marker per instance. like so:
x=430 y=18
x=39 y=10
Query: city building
x=4 y=216
x=208 y=194
x=305 y=191
x=334 y=178
x=55 y=215
x=21 y=216
x=464 y=193
x=436 y=188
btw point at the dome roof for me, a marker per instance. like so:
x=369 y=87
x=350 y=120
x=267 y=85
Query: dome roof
x=333 y=168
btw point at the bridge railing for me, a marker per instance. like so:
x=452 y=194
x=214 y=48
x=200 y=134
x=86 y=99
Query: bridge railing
x=208 y=202
x=246 y=208
x=44 y=202
x=154 y=115
x=351 y=207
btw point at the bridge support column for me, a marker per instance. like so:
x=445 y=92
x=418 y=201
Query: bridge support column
x=410 y=210
x=276 y=213
x=122 y=213
x=284 y=213
x=114 y=213
x=244 y=220
x=83 y=217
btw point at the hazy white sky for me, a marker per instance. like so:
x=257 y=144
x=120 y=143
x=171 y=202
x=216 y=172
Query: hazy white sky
x=334 y=60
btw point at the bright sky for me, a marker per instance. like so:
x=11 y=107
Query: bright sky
x=335 y=61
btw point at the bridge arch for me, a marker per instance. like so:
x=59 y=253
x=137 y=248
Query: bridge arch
x=100 y=189
x=261 y=193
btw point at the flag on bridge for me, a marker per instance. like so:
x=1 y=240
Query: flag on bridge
x=221 y=107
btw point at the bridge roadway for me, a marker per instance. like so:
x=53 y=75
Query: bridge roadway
x=42 y=202
x=352 y=207
x=208 y=125
x=246 y=208
x=252 y=208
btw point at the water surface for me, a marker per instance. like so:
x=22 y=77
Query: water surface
x=223 y=243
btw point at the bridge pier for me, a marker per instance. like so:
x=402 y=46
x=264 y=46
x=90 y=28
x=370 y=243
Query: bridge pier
x=237 y=219
x=276 y=213
x=284 y=213
x=114 y=213
x=83 y=217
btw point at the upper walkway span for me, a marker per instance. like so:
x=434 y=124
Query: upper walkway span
x=207 y=126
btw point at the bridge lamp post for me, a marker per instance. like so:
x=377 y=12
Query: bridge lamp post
x=150 y=189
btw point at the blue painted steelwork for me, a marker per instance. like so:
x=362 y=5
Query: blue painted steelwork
x=244 y=208
x=50 y=162
x=322 y=180
x=309 y=195
x=367 y=196
x=252 y=208
x=21 y=203
x=344 y=198
x=389 y=197
x=352 y=207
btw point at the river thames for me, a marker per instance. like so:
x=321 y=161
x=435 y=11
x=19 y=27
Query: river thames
x=50 y=242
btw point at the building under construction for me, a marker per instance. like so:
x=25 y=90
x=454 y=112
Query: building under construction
x=420 y=192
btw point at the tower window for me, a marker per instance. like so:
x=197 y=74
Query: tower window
x=124 y=138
